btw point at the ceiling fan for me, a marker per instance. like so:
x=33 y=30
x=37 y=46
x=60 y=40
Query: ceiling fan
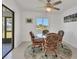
x=49 y=5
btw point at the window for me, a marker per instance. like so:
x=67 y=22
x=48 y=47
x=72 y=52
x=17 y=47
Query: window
x=41 y=23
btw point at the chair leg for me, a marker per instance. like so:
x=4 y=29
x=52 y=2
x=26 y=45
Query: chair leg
x=33 y=50
x=45 y=55
x=41 y=49
x=56 y=55
x=62 y=45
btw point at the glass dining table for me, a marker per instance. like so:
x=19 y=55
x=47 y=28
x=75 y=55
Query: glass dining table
x=43 y=38
x=40 y=35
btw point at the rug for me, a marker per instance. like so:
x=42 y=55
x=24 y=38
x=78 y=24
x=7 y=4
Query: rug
x=63 y=53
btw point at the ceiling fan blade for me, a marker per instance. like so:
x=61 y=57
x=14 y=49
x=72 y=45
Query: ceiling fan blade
x=56 y=8
x=58 y=2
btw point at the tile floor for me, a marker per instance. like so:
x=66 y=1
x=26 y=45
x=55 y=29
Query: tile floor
x=18 y=53
x=6 y=47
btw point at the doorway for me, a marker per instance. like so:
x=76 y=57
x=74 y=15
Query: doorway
x=7 y=30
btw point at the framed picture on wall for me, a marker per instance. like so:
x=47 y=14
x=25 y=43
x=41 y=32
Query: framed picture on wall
x=70 y=18
x=29 y=20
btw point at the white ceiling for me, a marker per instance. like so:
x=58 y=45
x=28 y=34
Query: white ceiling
x=37 y=5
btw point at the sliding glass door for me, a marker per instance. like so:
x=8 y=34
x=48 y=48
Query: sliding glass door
x=7 y=31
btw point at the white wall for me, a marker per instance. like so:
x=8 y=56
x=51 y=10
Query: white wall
x=70 y=28
x=55 y=22
x=13 y=6
x=27 y=27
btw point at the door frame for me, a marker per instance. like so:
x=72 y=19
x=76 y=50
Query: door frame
x=12 y=30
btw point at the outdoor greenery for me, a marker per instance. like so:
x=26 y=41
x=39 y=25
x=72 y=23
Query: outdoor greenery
x=41 y=27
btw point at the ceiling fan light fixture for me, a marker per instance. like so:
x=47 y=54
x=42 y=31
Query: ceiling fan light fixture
x=48 y=9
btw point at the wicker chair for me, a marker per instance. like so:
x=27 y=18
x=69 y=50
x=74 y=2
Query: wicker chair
x=36 y=42
x=61 y=34
x=51 y=44
x=45 y=32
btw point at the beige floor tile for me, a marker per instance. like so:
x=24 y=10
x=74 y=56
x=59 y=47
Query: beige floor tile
x=18 y=53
